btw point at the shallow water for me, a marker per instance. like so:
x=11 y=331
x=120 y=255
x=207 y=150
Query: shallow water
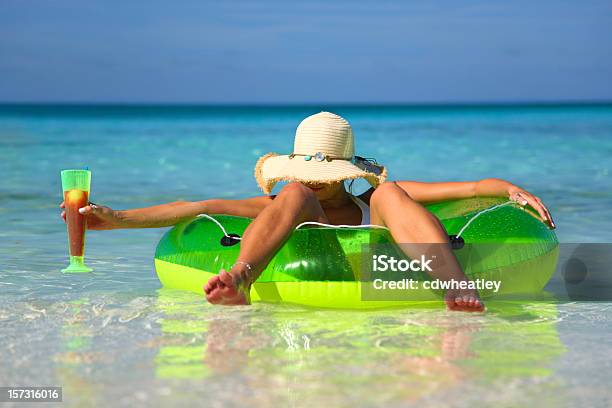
x=114 y=336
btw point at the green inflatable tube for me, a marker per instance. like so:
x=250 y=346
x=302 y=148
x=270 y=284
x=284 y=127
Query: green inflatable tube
x=321 y=266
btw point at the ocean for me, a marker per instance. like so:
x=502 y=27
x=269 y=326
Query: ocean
x=113 y=336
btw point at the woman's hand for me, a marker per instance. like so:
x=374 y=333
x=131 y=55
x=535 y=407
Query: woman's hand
x=99 y=217
x=524 y=197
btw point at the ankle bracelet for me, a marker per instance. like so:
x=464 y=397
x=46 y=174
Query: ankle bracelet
x=248 y=265
x=241 y=278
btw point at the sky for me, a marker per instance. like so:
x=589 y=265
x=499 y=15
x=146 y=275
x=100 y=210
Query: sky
x=305 y=52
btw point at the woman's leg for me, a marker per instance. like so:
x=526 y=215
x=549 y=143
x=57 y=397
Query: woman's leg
x=411 y=223
x=295 y=204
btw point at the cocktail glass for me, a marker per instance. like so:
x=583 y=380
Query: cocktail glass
x=76 y=185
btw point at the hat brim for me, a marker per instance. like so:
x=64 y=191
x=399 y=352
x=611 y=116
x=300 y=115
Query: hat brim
x=272 y=168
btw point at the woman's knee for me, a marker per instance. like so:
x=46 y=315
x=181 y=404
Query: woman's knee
x=303 y=199
x=387 y=191
x=297 y=191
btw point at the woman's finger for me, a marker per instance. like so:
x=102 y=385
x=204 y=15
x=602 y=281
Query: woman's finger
x=92 y=208
x=538 y=207
x=88 y=209
x=528 y=197
x=550 y=220
x=524 y=197
x=548 y=216
x=63 y=215
x=537 y=204
x=63 y=205
x=519 y=198
x=543 y=207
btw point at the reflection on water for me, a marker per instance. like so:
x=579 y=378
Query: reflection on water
x=306 y=357
x=170 y=347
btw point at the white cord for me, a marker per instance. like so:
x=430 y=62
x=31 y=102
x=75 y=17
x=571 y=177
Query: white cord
x=298 y=227
x=478 y=214
x=339 y=226
x=219 y=225
x=320 y=224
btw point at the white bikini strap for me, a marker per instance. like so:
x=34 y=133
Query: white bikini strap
x=365 y=209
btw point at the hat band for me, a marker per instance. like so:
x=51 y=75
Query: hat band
x=318 y=156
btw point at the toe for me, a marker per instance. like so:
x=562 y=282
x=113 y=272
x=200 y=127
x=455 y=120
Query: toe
x=226 y=278
x=475 y=305
x=212 y=283
x=213 y=296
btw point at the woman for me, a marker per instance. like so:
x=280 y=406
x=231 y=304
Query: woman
x=322 y=159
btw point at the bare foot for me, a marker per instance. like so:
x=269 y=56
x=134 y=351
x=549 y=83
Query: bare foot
x=464 y=301
x=228 y=288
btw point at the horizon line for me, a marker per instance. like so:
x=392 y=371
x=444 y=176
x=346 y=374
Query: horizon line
x=509 y=103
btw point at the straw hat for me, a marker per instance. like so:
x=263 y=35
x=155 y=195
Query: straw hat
x=323 y=152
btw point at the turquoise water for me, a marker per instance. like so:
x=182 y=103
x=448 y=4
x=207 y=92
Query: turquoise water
x=113 y=336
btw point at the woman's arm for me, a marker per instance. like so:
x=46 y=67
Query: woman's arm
x=433 y=192
x=104 y=218
x=491 y=187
